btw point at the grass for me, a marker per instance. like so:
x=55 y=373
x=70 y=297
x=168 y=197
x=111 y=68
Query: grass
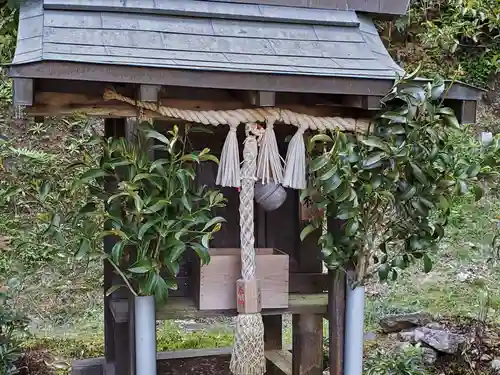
x=442 y=291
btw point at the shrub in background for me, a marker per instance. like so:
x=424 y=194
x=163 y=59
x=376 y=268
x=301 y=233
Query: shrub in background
x=13 y=325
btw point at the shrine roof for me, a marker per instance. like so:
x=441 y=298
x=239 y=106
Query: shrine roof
x=203 y=35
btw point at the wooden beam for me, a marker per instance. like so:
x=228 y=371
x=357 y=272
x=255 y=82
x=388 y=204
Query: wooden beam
x=280 y=362
x=204 y=79
x=62 y=104
x=368 y=102
x=149 y=93
x=183 y=307
x=262 y=98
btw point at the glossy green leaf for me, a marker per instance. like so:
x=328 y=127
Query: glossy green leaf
x=478 y=192
x=419 y=175
x=374 y=142
x=89 y=176
x=141 y=267
x=205 y=240
x=319 y=163
x=383 y=272
x=473 y=170
x=320 y=138
x=190 y=157
x=373 y=161
x=202 y=252
x=327 y=175
x=117 y=251
x=443 y=203
x=113 y=289
x=427 y=263
x=212 y=222
x=148 y=225
x=158 y=165
x=306 y=231
x=176 y=248
x=351 y=227
x=157 y=206
x=408 y=193
x=332 y=184
x=83 y=249
x=158 y=136
x=209 y=157
x=452 y=121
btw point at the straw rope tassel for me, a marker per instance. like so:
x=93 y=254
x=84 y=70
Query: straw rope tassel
x=228 y=173
x=269 y=164
x=248 y=351
x=295 y=164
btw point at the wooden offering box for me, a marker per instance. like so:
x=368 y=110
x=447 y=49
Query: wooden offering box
x=216 y=288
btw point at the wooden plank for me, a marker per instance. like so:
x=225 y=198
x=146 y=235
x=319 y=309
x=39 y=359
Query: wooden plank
x=193 y=353
x=280 y=360
x=182 y=307
x=307 y=344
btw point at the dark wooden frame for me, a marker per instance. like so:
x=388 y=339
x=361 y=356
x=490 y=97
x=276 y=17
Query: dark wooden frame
x=221 y=80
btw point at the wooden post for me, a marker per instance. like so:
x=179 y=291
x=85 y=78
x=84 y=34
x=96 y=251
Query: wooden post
x=336 y=319
x=307 y=343
x=117 y=343
x=336 y=310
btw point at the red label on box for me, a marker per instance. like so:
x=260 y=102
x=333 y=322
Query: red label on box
x=241 y=296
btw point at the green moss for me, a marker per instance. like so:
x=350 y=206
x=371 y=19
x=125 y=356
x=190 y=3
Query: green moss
x=169 y=338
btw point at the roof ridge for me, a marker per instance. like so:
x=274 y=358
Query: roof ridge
x=221 y=10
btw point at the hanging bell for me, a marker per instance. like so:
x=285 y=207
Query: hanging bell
x=269 y=196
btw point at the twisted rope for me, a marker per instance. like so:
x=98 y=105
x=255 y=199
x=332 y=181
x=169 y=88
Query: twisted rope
x=248 y=350
x=250 y=152
x=237 y=116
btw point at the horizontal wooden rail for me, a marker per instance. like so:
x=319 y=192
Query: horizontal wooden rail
x=281 y=360
x=185 y=308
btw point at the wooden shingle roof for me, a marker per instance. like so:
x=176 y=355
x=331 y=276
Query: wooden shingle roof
x=203 y=36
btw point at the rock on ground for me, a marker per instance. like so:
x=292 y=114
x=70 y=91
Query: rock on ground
x=399 y=322
x=429 y=355
x=442 y=341
x=495 y=365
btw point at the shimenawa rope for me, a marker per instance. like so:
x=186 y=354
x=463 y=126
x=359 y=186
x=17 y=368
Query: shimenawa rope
x=248 y=350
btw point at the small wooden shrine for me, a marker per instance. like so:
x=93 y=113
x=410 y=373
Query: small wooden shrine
x=176 y=61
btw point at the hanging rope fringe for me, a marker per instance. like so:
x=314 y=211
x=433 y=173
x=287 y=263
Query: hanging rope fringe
x=269 y=166
x=295 y=163
x=229 y=167
x=248 y=350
